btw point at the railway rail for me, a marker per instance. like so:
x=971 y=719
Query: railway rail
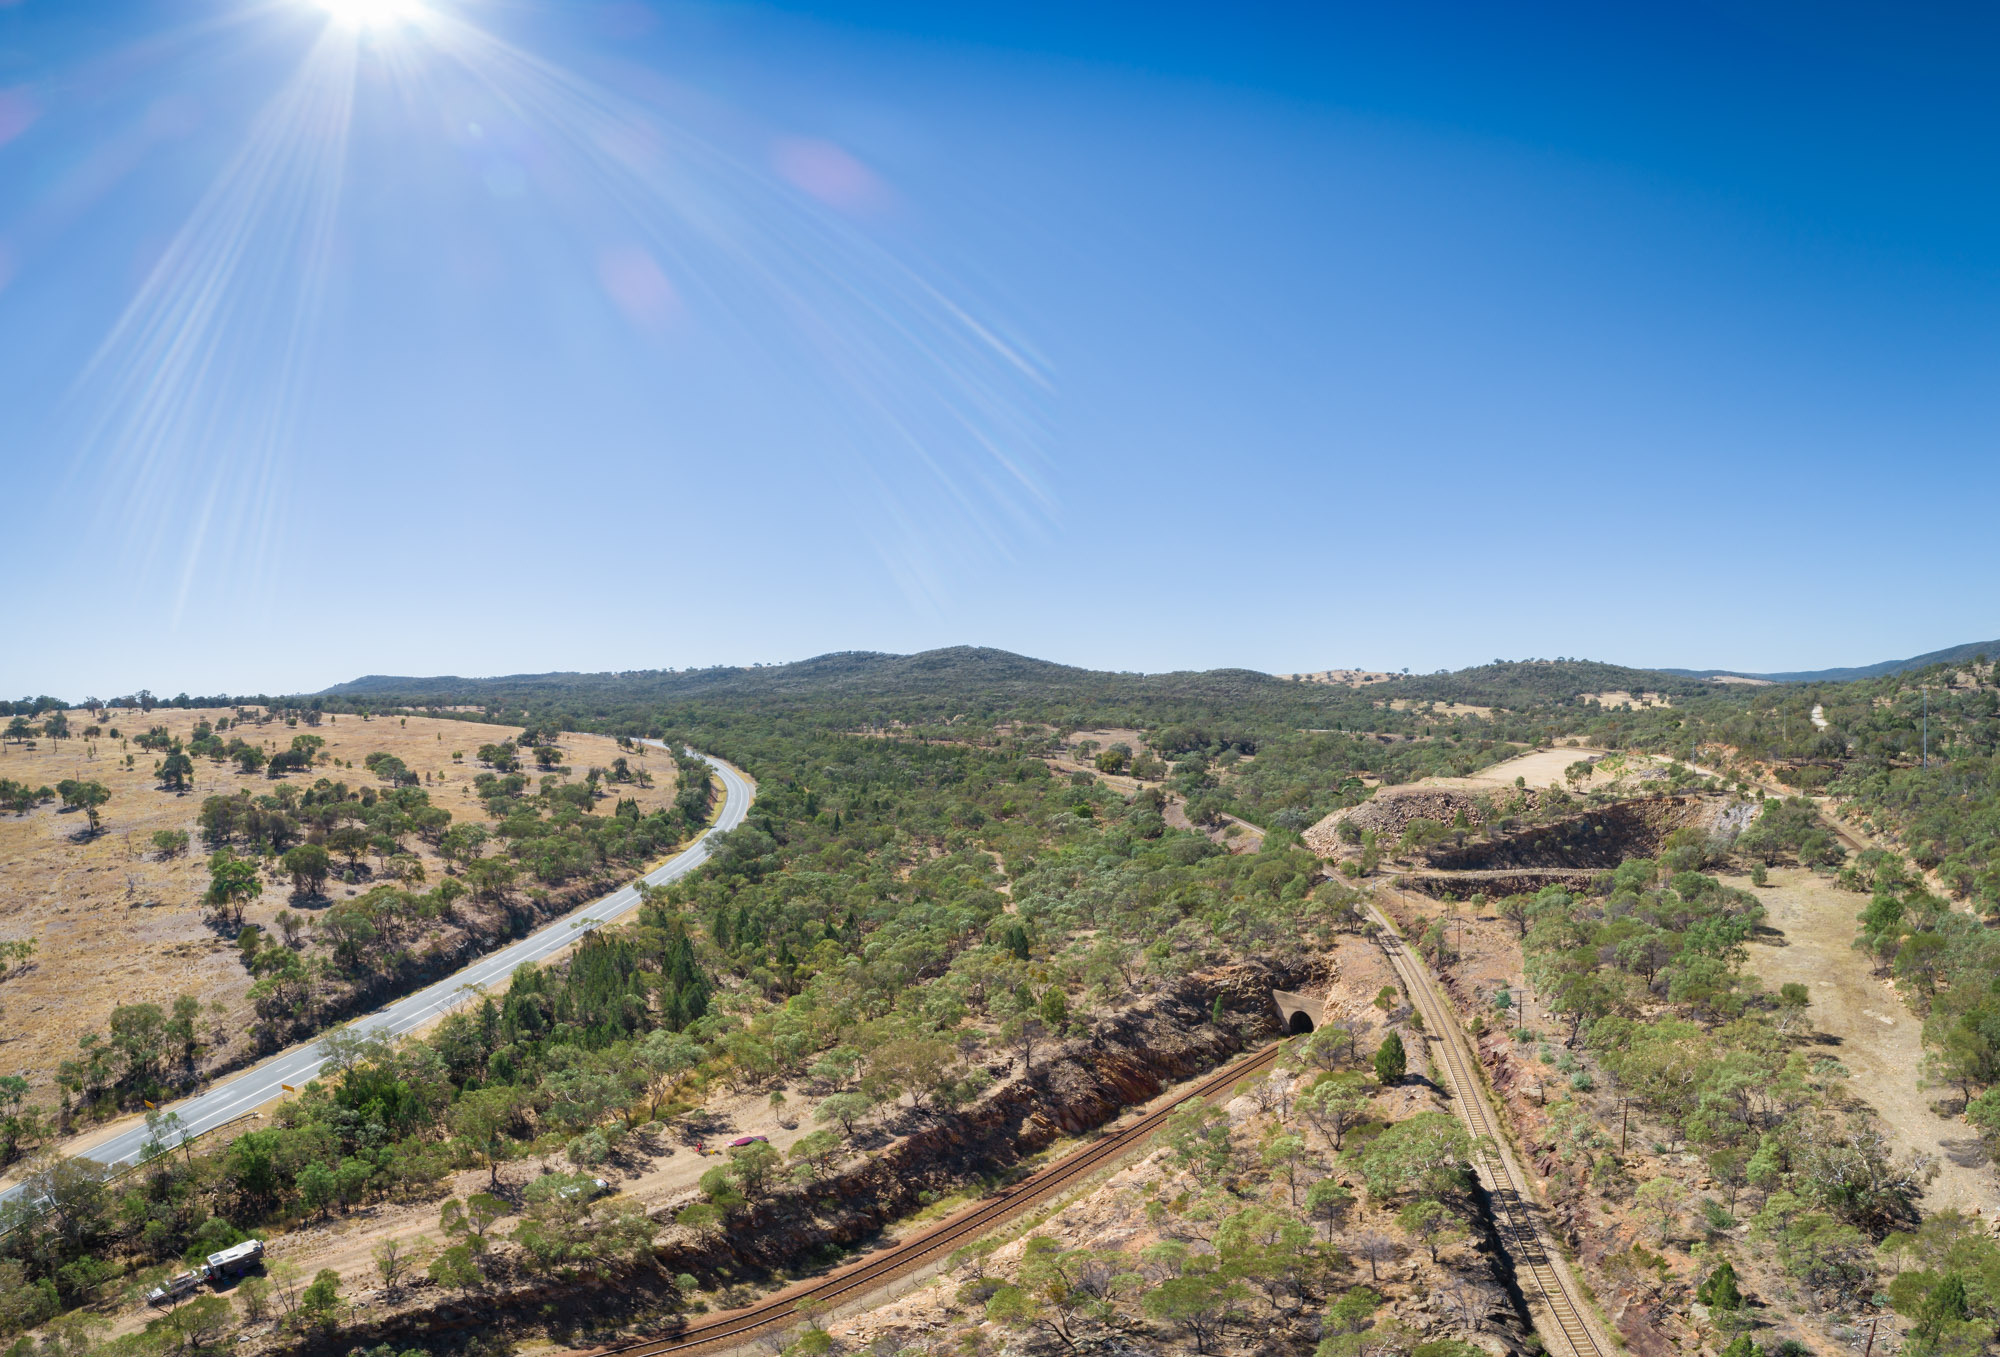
x=1539 y=1267
x=851 y=1283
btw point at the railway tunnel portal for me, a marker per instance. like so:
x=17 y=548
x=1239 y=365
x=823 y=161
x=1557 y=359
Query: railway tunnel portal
x=1298 y=1012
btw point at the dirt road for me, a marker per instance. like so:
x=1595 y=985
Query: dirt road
x=1539 y=767
x=1879 y=1039
x=1238 y=836
x=857 y=1283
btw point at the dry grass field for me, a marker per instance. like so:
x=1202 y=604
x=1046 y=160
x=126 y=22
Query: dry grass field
x=1348 y=678
x=118 y=923
x=1619 y=697
x=1440 y=709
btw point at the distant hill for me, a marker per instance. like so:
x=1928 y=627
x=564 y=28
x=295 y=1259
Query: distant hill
x=846 y=671
x=1954 y=655
x=853 y=689
x=973 y=681
x=1516 y=684
x=979 y=681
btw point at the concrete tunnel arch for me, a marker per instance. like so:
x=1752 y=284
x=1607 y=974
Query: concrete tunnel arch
x=1298 y=1013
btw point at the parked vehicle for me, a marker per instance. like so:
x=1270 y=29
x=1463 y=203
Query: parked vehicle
x=235 y=1260
x=173 y=1288
x=590 y=1191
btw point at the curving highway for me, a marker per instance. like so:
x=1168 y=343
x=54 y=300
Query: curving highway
x=242 y=1093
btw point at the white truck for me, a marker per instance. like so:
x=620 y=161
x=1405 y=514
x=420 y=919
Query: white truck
x=173 y=1288
x=233 y=1261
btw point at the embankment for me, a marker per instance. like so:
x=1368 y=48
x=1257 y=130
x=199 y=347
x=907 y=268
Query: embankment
x=1132 y=1056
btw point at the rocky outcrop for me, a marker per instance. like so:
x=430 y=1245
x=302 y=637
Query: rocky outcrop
x=1465 y=885
x=1131 y=1057
x=1563 y=850
x=1598 y=839
x=1394 y=809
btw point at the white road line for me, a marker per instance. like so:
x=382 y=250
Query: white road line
x=232 y=1097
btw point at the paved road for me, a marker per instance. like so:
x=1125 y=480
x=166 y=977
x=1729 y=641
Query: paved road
x=251 y=1089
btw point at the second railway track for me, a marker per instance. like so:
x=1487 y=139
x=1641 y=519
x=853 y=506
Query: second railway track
x=1543 y=1274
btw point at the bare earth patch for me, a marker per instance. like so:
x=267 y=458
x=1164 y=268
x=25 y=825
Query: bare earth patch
x=120 y=925
x=1870 y=1031
x=1539 y=767
x=1347 y=678
x=1618 y=697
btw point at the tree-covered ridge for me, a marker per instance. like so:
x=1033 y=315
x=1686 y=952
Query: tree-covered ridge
x=979 y=686
x=917 y=902
x=1533 y=700
x=1523 y=684
x=894 y=919
x=1643 y=977
x=423 y=888
x=1971 y=650
x=1276 y=753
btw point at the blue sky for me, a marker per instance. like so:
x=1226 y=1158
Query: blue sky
x=503 y=336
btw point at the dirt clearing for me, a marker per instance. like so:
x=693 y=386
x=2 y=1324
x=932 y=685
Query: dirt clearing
x=119 y=923
x=1346 y=678
x=1439 y=709
x=1871 y=1032
x=1618 y=697
x=1538 y=767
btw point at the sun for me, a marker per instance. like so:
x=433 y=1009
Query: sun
x=371 y=13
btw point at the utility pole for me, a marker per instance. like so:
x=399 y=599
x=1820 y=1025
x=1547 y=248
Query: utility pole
x=1927 y=726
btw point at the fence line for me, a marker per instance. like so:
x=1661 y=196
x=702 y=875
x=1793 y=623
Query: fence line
x=127 y=1170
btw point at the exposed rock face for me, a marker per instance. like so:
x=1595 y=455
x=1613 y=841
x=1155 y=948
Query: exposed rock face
x=1639 y=1325
x=1392 y=810
x=1593 y=840
x=1598 y=839
x=1643 y=1317
x=1131 y=1057
x=1459 y=886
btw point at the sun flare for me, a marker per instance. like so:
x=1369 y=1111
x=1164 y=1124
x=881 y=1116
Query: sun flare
x=371 y=13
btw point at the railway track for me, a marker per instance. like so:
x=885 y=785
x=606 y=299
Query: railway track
x=1539 y=1267
x=738 y=1327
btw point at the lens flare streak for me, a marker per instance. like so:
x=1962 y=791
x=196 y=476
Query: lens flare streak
x=936 y=416
x=897 y=364
x=192 y=424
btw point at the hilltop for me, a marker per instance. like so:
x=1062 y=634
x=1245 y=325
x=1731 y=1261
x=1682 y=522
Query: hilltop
x=981 y=906
x=1960 y=654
